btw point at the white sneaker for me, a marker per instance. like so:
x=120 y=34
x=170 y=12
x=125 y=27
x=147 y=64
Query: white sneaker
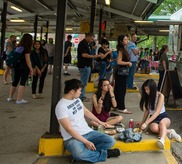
x=9 y=99
x=173 y=134
x=160 y=143
x=21 y=101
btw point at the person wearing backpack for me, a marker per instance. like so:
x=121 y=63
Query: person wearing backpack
x=22 y=69
x=39 y=59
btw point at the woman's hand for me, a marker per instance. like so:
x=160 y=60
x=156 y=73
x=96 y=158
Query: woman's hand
x=39 y=72
x=130 y=64
x=111 y=90
x=143 y=126
x=90 y=145
x=31 y=72
x=34 y=72
x=100 y=101
x=104 y=124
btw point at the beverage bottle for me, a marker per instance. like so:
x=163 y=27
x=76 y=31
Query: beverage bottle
x=29 y=81
x=131 y=124
x=100 y=129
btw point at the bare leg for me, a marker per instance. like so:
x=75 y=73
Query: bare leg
x=114 y=120
x=20 y=92
x=5 y=75
x=161 y=128
x=66 y=68
x=12 y=91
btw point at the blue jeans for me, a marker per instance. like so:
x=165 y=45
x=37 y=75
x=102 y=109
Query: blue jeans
x=131 y=74
x=102 y=69
x=80 y=152
x=84 y=78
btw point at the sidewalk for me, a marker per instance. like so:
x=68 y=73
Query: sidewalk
x=23 y=125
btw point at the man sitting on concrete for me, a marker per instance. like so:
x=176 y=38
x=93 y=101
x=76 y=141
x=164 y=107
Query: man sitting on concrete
x=80 y=140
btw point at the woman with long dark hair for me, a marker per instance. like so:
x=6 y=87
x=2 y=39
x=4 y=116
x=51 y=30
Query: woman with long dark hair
x=155 y=116
x=22 y=70
x=123 y=59
x=163 y=64
x=103 y=100
x=39 y=60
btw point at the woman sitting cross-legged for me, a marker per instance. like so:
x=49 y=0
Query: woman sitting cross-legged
x=103 y=100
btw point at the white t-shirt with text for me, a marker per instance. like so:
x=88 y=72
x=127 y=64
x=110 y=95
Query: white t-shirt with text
x=74 y=111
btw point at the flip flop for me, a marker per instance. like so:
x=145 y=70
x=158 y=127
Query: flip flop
x=125 y=111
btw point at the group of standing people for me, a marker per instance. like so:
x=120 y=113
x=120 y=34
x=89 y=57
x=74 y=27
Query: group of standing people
x=33 y=63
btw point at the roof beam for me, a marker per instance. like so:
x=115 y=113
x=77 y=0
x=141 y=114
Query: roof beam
x=44 y=5
x=114 y=11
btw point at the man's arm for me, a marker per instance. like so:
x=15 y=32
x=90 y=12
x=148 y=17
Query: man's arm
x=135 y=51
x=92 y=117
x=85 y=55
x=65 y=122
x=67 y=50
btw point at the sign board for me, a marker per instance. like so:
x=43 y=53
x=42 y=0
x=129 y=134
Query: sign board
x=76 y=40
x=171 y=82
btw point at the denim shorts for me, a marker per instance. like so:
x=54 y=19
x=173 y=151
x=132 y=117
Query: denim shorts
x=160 y=117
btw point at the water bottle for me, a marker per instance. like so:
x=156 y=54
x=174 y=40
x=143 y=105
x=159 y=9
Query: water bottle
x=100 y=129
x=29 y=81
x=131 y=124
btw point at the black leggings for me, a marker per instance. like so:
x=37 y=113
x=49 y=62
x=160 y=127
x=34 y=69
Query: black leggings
x=20 y=75
x=41 y=82
x=120 y=90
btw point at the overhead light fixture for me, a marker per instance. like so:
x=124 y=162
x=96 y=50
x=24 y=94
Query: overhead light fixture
x=69 y=29
x=107 y=2
x=17 y=20
x=163 y=30
x=16 y=8
x=143 y=21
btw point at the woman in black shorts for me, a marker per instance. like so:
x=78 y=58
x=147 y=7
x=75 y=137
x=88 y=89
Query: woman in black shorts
x=155 y=116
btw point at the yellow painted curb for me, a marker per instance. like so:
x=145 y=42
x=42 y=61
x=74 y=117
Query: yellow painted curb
x=133 y=90
x=169 y=157
x=143 y=145
x=90 y=87
x=167 y=108
x=51 y=146
x=1 y=71
x=55 y=146
x=146 y=75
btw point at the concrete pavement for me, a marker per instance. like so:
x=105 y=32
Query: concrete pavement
x=23 y=125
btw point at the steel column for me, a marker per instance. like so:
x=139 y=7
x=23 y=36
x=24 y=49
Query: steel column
x=58 y=63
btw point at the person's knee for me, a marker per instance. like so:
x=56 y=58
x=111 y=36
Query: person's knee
x=154 y=129
x=119 y=118
x=78 y=152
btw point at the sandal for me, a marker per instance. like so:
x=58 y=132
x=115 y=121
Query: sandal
x=125 y=111
x=5 y=82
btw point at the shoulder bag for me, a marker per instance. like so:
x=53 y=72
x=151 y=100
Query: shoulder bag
x=123 y=70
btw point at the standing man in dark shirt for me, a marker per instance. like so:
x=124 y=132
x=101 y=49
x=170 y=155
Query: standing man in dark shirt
x=67 y=54
x=85 y=62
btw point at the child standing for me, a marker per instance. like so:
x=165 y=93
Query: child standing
x=153 y=103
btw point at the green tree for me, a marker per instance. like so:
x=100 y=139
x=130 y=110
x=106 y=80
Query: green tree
x=168 y=7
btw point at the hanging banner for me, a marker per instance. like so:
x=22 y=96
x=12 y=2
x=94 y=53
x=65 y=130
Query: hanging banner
x=119 y=29
x=84 y=27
